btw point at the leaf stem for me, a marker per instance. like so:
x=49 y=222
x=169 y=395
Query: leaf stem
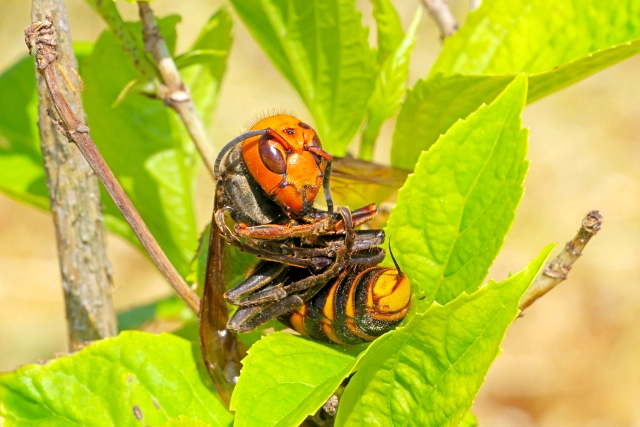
x=74 y=196
x=555 y=271
x=42 y=34
x=174 y=92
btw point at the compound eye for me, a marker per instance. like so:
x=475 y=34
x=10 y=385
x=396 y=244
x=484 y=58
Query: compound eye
x=272 y=155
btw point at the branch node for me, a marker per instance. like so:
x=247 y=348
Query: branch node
x=592 y=222
x=41 y=35
x=550 y=271
x=571 y=248
x=82 y=128
x=179 y=96
x=59 y=124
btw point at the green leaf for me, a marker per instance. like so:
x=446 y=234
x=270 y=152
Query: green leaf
x=21 y=171
x=433 y=106
x=469 y=420
x=580 y=37
x=198 y=56
x=285 y=378
x=147 y=149
x=389 y=90
x=134 y=379
x=127 y=37
x=203 y=66
x=455 y=210
x=429 y=372
x=322 y=49
x=389 y=28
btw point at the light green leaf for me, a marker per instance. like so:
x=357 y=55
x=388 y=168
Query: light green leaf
x=203 y=66
x=429 y=372
x=580 y=37
x=183 y=421
x=433 y=106
x=322 y=49
x=147 y=149
x=389 y=28
x=469 y=420
x=389 y=90
x=133 y=379
x=547 y=82
x=285 y=378
x=455 y=210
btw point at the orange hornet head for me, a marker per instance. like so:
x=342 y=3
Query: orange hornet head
x=286 y=161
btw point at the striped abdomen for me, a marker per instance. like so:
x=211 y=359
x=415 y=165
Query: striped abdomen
x=357 y=306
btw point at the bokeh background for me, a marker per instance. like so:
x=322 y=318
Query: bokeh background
x=572 y=360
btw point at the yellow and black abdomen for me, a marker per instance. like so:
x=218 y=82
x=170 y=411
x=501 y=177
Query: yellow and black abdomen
x=357 y=306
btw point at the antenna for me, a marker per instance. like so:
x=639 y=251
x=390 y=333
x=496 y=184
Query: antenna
x=394 y=258
x=229 y=145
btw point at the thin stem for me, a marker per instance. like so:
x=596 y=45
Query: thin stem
x=74 y=196
x=175 y=93
x=46 y=56
x=555 y=271
x=440 y=12
x=474 y=4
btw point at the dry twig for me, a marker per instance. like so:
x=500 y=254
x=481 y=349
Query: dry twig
x=440 y=12
x=74 y=197
x=174 y=92
x=41 y=34
x=557 y=269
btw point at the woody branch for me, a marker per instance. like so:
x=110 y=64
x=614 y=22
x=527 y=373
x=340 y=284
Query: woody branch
x=440 y=12
x=555 y=271
x=74 y=199
x=174 y=92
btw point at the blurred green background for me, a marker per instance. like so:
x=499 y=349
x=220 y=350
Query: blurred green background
x=572 y=360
